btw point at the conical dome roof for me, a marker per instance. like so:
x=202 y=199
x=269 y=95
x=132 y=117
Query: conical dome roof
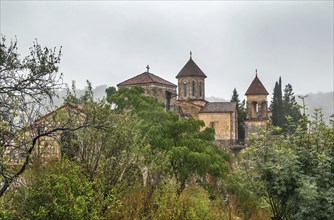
x=256 y=88
x=191 y=69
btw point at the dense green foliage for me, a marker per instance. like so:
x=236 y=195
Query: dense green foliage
x=56 y=191
x=135 y=161
x=185 y=151
x=294 y=173
x=125 y=157
x=141 y=162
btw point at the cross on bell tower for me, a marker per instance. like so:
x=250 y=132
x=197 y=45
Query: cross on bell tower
x=148 y=68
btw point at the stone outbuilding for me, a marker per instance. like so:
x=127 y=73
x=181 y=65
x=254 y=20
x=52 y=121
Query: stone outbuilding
x=222 y=116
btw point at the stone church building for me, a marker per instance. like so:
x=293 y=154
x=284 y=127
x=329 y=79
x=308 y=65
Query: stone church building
x=187 y=98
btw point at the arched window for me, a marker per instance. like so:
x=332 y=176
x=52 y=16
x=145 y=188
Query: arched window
x=254 y=109
x=185 y=88
x=200 y=89
x=193 y=88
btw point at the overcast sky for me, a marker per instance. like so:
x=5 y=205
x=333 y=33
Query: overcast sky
x=108 y=42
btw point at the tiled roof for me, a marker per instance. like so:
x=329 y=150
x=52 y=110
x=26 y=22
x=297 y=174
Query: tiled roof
x=69 y=106
x=145 y=78
x=256 y=88
x=191 y=69
x=218 y=107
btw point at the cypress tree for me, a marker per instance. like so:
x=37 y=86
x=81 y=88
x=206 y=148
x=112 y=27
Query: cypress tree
x=280 y=104
x=242 y=113
x=277 y=105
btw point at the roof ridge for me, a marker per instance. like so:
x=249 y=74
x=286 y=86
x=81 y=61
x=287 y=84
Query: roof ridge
x=149 y=75
x=213 y=107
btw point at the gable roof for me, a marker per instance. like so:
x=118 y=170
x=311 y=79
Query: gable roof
x=191 y=69
x=69 y=106
x=256 y=88
x=145 y=78
x=219 y=107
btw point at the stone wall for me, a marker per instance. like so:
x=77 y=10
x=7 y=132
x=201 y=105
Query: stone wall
x=189 y=109
x=254 y=126
x=159 y=91
x=223 y=123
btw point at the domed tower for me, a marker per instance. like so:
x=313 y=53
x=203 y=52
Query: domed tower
x=257 y=107
x=191 y=82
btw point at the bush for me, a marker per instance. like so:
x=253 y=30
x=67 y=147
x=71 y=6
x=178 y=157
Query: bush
x=58 y=190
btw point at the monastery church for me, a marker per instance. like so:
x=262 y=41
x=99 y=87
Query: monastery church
x=187 y=98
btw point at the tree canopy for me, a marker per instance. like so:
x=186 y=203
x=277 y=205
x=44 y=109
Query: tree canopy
x=187 y=151
x=27 y=85
x=294 y=173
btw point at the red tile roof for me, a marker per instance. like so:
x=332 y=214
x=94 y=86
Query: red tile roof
x=145 y=78
x=219 y=107
x=191 y=69
x=256 y=88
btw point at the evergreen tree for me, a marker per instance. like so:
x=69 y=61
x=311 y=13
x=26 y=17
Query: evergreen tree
x=290 y=108
x=284 y=110
x=241 y=114
x=277 y=105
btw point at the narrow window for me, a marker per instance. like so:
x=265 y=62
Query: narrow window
x=184 y=88
x=200 y=89
x=193 y=88
x=254 y=110
x=264 y=109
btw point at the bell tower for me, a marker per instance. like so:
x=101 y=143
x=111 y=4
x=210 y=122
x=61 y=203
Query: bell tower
x=191 y=82
x=257 y=107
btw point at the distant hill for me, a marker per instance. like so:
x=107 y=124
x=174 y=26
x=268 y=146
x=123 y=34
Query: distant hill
x=99 y=92
x=325 y=101
x=215 y=99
